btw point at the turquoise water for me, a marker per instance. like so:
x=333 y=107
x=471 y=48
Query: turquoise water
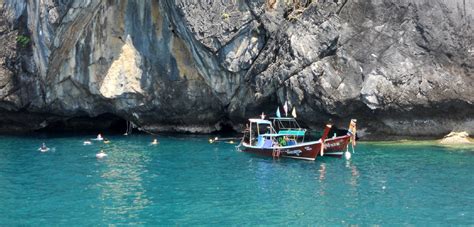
x=187 y=181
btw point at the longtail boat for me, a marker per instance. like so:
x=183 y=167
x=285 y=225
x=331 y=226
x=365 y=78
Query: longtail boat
x=288 y=141
x=335 y=142
x=336 y=146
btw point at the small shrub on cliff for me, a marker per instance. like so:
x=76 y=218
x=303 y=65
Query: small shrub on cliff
x=23 y=40
x=225 y=16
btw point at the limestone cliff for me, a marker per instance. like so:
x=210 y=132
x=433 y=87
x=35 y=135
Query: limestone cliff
x=402 y=68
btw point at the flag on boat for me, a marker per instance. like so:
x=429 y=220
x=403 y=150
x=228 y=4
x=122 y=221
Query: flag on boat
x=285 y=108
x=293 y=113
x=278 y=112
x=353 y=130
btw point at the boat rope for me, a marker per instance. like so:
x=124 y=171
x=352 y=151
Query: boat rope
x=224 y=140
x=128 y=131
x=242 y=140
x=238 y=146
x=322 y=148
x=144 y=130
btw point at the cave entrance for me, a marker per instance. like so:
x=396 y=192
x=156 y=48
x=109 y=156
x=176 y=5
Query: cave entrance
x=104 y=123
x=226 y=130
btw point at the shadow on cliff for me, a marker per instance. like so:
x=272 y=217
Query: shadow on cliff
x=104 y=123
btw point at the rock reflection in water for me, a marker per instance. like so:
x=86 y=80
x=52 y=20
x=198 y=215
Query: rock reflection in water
x=123 y=195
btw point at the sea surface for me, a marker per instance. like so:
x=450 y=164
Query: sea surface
x=187 y=181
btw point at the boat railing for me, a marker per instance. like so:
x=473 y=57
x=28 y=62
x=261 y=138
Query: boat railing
x=271 y=140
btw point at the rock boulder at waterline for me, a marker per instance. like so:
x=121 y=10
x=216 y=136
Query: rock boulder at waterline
x=454 y=138
x=402 y=68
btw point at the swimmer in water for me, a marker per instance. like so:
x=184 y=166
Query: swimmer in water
x=99 y=137
x=87 y=142
x=101 y=154
x=43 y=148
x=106 y=140
x=155 y=142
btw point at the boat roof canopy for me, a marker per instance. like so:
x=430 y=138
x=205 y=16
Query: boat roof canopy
x=292 y=132
x=283 y=118
x=271 y=134
x=259 y=121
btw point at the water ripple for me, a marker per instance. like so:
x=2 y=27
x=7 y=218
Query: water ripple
x=186 y=181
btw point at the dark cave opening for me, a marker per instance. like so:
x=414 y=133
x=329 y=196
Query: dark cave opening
x=104 y=123
x=226 y=130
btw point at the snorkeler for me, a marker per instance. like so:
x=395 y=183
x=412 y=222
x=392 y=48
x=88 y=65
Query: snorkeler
x=101 y=154
x=43 y=148
x=155 y=142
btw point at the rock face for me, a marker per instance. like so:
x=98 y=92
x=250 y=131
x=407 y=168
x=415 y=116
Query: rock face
x=456 y=138
x=402 y=68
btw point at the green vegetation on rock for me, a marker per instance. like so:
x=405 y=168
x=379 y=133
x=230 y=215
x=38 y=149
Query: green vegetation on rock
x=23 y=40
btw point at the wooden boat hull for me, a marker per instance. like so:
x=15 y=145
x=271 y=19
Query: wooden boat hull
x=305 y=151
x=335 y=147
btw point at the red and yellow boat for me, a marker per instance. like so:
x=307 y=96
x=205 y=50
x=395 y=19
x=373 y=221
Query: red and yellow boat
x=288 y=140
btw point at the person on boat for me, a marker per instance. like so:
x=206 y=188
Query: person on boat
x=276 y=149
x=276 y=143
x=287 y=140
x=290 y=141
x=155 y=142
x=284 y=141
